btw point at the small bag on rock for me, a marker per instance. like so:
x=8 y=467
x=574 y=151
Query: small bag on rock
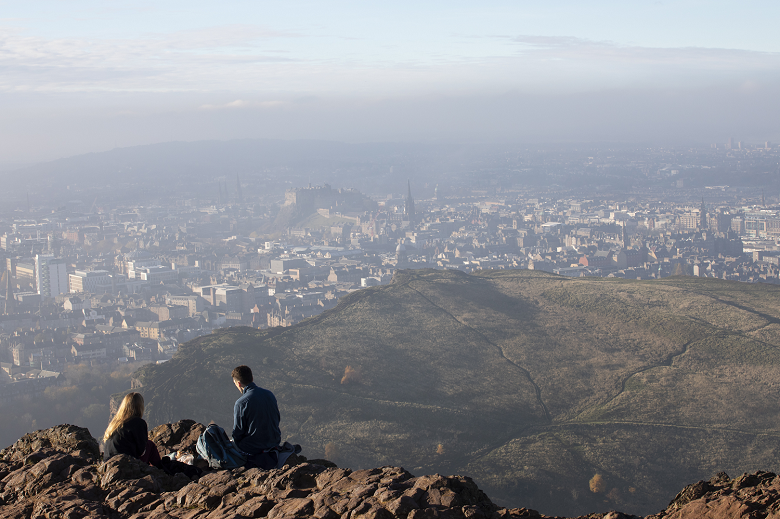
x=215 y=447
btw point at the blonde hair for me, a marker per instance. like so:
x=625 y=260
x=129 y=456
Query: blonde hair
x=132 y=405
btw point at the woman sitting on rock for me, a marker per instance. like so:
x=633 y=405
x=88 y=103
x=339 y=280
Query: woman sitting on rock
x=127 y=432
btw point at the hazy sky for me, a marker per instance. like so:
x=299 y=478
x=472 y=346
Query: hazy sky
x=82 y=76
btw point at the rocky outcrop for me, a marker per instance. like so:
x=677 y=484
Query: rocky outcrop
x=754 y=495
x=67 y=438
x=56 y=473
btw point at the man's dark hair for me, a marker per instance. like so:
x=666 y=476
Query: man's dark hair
x=243 y=374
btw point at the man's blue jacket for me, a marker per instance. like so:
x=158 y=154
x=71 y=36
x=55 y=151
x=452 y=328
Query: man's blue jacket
x=256 y=420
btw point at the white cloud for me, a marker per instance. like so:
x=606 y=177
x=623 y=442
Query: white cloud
x=247 y=58
x=185 y=60
x=240 y=103
x=699 y=57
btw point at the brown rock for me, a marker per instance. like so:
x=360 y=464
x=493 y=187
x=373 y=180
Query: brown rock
x=325 y=497
x=385 y=495
x=325 y=512
x=428 y=513
x=115 y=498
x=19 y=510
x=123 y=471
x=341 y=506
x=222 y=490
x=415 y=493
x=395 y=476
x=85 y=476
x=69 y=501
x=135 y=503
x=294 y=493
x=222 y=512
x=197 y=495
x=358 y=508
x=292 y=508
x=254 y=477
x=236 y=499
x=256 y=507
x=359 y=503
x=723 y=507
x=474 y=512
x=179 y=436
x=30 y=480
x=402 y=506
x=179 y=514
x=220 y=477
x=375 y=512
x=366 y=476
x=720 y=479
x=299 y=476
x=690 y=493
x=362 y=491
x=330 y=476
x=451 y=492
x=64 y=438
x=752 y=480
x=618 y=515
x=344 y=485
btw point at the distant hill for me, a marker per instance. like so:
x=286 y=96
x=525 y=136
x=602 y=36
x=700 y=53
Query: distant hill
x=566 y=395
x=184 y=166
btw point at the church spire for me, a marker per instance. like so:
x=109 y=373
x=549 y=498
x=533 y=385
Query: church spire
x=409 y=206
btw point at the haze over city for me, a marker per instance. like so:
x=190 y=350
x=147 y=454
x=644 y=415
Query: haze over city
x=536 y=244
x=88 y=76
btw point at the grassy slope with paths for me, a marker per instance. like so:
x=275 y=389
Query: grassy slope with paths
x=531 y=383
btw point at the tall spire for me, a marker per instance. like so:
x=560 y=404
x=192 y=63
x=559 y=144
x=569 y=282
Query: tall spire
x=624 y=235
x=409 y=207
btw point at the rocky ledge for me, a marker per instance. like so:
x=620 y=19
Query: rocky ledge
x=56 y=473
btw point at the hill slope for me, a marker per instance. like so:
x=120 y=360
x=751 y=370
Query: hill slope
x=530 y=383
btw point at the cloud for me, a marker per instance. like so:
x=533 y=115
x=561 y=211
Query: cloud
x=240 y=103
x=224 y=36
x=240 y=58
x=200 y=59
x=565 y=47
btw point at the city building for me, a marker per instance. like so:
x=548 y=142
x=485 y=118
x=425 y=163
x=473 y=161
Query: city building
x=51 y=278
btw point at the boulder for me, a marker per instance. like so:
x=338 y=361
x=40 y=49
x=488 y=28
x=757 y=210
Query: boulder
x=30 y=480
x=126 y=471
x=179 y=436
x=63 y=438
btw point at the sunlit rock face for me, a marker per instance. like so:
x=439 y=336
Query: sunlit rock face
x=57 y=473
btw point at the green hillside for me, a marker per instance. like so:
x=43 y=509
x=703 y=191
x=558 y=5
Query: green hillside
x=530 y=383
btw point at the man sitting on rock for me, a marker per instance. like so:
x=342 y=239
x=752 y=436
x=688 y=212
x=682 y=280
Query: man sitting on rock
x=256 y=421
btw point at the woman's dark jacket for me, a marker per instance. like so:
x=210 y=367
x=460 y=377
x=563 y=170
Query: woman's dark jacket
x=130 y=438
